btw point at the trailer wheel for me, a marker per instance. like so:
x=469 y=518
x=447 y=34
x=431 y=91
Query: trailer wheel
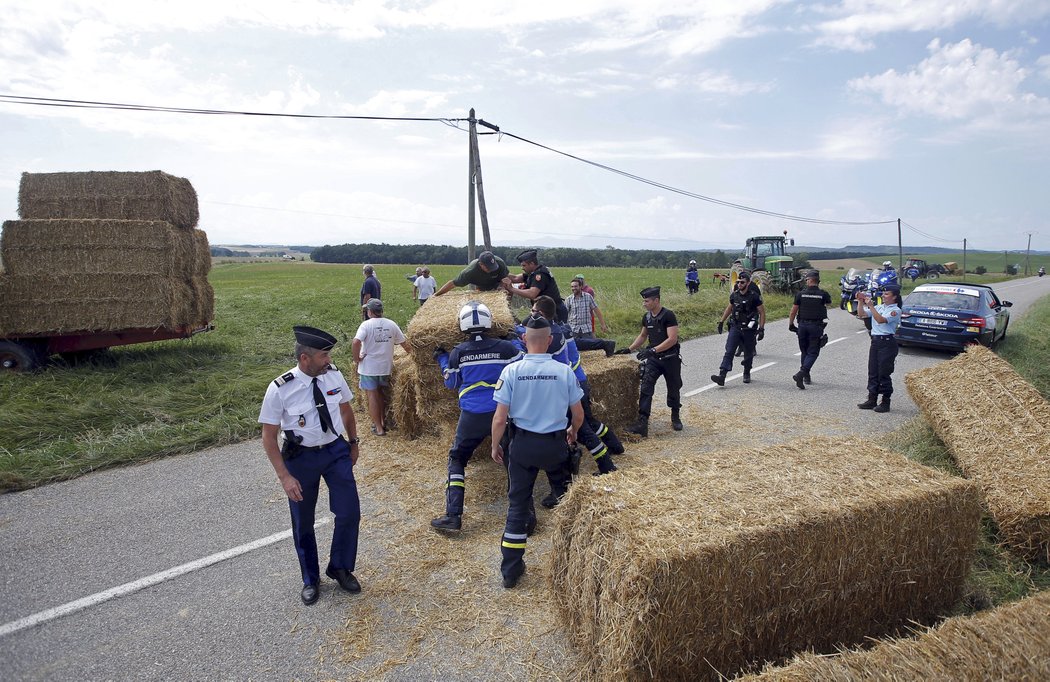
x=18 y=357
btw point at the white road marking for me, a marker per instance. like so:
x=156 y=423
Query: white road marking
x=150 y=580
x=862 y=331
x=690 y=394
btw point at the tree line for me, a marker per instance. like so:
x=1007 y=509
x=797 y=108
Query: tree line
x=554 y=256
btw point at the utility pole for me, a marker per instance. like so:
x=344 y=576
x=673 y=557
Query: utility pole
x=964 y=257
x=470 y=186
x=900 y=248
x=1028 y=252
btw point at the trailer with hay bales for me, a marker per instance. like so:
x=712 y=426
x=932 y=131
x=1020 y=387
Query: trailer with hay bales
x=101 y=259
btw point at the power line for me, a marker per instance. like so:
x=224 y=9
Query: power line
x=930 y=236
x=89 y=104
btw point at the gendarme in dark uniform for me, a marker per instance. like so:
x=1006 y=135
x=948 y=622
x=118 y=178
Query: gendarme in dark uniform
x=534 y=394
x=811 y=311
x=539 y=282
x=311 y=405
x=660 y=357
x=747 y=321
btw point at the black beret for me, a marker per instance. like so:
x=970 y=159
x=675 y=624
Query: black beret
x=537 y=322
x=813 y=274
x=892 y=287
x=527 y=255
x=650 y=292
x=314 y=338
x=744 y=274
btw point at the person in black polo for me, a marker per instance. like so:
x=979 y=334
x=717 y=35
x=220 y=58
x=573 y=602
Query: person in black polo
x=811 y=310
x=538 y=282
x=659 y=358
x=535 y=394
x=747 y=322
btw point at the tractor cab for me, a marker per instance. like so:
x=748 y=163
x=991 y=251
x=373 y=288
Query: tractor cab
x=769 y=263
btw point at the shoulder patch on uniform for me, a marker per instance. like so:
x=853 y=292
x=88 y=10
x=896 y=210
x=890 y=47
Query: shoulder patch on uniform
x=283 y=379
x=893 y=314
x=499 y=384
x=538 y=276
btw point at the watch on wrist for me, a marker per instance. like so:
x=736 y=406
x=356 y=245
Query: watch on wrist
x=354 y=441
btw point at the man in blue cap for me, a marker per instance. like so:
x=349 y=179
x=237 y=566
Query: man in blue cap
x=311 y=405
x=535 y=394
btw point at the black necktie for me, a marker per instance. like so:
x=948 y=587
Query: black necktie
x=322 y=409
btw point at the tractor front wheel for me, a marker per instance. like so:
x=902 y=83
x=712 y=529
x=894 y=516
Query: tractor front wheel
x=18 y=357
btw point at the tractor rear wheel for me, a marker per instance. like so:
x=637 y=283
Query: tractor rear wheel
x=19 y=357
x=763 y=279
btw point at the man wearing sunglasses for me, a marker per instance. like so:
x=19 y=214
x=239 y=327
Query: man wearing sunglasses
x=747 y=321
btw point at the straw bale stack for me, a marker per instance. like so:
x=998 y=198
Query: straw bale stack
x=436 y=323
x=1011 y=642
x=152 y=195
x=1007 y=456
x=614 y=388
x=696 y=567
x=64 y=276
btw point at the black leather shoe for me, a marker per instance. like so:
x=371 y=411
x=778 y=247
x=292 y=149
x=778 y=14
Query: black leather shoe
x=639 y=428
x=510 y=581
x=550 y=502
x=448 y=523
x=345 y=578
x=610 y=347
x=797 y=376
x=310 y=594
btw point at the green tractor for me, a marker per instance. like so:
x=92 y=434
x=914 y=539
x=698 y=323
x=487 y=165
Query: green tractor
x=772 y=269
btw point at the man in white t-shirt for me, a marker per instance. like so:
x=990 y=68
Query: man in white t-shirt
x=424 y=287
x=373 y=348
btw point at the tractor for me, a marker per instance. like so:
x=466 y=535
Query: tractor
x=917 y=267
x=770 y=266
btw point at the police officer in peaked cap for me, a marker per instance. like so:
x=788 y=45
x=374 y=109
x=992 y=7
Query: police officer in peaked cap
x=538 y=282
x=310 y=404
x=660 y=358
x=535 y=394
x=811 y=310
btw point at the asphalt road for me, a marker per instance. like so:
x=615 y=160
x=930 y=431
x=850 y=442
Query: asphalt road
x=88 y=586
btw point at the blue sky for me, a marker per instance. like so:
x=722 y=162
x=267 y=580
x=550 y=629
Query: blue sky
x=861 y=110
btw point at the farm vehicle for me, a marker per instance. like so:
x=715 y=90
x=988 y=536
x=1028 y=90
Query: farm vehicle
x=772 y=269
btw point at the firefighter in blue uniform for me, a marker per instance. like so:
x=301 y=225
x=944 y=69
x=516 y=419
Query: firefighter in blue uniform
x=811 y=310
x=563 y=349
x=534 y=394
x=747 y=326
x=311 y=404
x=471 y=369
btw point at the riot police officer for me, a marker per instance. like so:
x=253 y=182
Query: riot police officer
x=472 y=370
x=535 y=394
x=811 y=309
x=311 y=404
x=660 y=358
x=538 y=282
x=747 y=322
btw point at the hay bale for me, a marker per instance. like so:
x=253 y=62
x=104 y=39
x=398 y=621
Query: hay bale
x=63 y=304
x=614 y=388
x=1007 y=457
x=106 y=247
x=152 y=195
x=202 y=297
x=405 y=383
x=1011 y=642
x=437 y=322
x=201 y=262
x=696 y=567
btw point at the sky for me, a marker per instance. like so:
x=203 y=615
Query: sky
x=856 y=111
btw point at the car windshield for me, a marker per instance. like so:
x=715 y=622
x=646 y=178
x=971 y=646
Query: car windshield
x=941 y=299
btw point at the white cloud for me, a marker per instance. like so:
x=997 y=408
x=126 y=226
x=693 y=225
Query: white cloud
x=961 y=82
x=857 y=22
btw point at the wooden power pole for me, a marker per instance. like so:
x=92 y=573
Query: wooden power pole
x=476 y=190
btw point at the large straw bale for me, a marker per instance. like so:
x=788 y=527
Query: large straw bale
x=997 y=427
x=62 y=304
x=436 y=323
x=110 y=247
x=694 y=567
x=1011 y=642
x=405 y=380
x=202 y=254
x=151 y=195
x=614 y=388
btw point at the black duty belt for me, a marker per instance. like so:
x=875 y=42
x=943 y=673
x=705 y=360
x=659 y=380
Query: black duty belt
x=317 y=448
x=552 y=434
x=820 y=321
x=882 y=337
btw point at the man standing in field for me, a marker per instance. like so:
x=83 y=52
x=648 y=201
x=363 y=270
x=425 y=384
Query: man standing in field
x=424 y=286
x=373 y=348
x=370 y=289
x=308 y=403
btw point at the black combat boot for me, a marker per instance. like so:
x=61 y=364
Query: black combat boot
x=747 y=376
x=869 y=403
x=449 y=523
x=798 y=378
x=884 y=406
x=676 y=420
x=719 y=378
x=806 y=378
x=640 y=427
x=551 y=501
x=605 y=465
x=609 y=347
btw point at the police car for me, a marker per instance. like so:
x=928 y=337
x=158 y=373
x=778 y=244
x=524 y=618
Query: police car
x=953 y=315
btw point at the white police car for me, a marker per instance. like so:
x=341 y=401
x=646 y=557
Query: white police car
x=952 y=315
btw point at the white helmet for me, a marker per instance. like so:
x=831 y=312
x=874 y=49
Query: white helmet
x=692 y=262
x=887 y=264
x=474 y=317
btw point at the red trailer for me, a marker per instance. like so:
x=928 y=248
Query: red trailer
x=23 y=353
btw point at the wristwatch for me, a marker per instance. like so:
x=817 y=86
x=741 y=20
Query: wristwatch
x=354 y=441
